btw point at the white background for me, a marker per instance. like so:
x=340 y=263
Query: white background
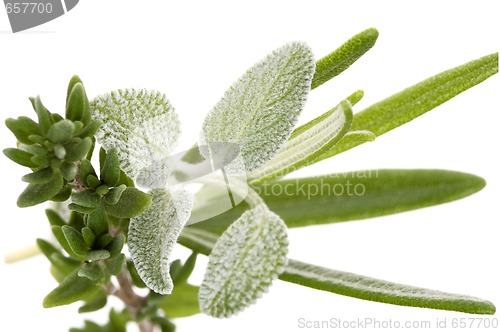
x=192 y=51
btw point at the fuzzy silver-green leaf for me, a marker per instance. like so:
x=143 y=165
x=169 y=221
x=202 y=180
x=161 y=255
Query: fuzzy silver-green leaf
x=260 y=110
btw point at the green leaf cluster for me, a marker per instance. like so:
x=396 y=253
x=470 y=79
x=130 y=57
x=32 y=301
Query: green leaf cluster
x=53 y=147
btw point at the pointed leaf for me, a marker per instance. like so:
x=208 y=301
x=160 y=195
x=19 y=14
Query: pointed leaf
x=95 y=255
x=247 y=257
x=64 y=264
x=41 y=176
x=77 y=106
x=260 y=109
x=44 y=118
x=354 y=195
x=114 y=265
x=54 y=218
x=71 y=289
x=98 y=301
x=186 y=270
x=116 y=245
x=132 y=203
x=303 y=148
x=343 y=57
x=418 y=99
x=86 y=198
x=371 y=289
x=59 y=235
x=38 y=193
x=153 y=234
x=21 y=157
x=78 y=150
x=22 y=128
x=75 y=240
x=140 y=124
x=110 y=169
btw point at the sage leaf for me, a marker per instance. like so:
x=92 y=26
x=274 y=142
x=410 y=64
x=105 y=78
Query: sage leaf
x=153 y=234
x=303 y=148
x=71 y=289
x=132 y=203
x=354 y=195
x=342 y=58
x=260 y=109
x=247 y=257
x=371 y=289
x=418 y=99
x=142 y=125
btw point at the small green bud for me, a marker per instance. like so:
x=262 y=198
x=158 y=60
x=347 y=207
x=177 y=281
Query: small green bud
x=114 y=265
x=114 y=194
x=61 y=131
x=88 y=236
x=104 y=240
x=37 y=139
x=86 y=169
x=59 y=151
x=93 y=182
x=68 y=171
x=102 y=190
x=98 y=221
x=78 y=150
x=110 y=168
x=75 y=240
x=90 y=271
x=90 y=129
x=95 y=255
x=80 y=209
x=116 y=245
